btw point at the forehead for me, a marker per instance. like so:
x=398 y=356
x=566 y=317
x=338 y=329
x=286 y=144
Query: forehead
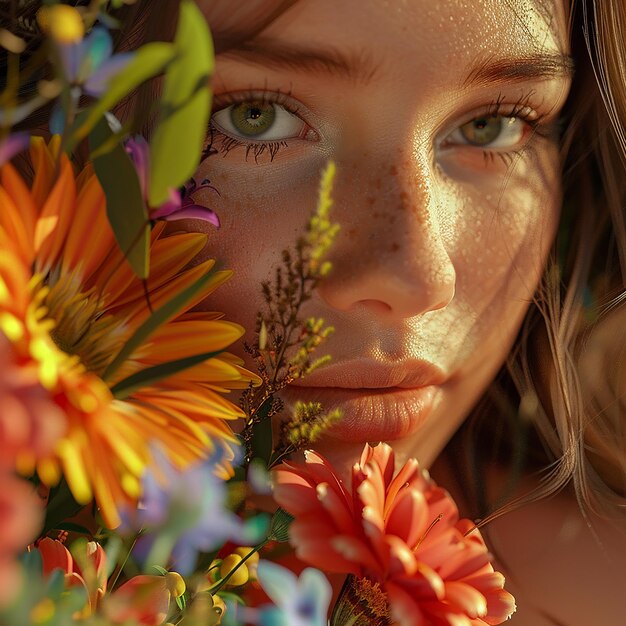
x=442 y=33
x=530 y=19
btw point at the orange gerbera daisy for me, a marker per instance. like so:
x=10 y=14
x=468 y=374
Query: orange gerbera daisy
x=69 y=301
x=400 y=532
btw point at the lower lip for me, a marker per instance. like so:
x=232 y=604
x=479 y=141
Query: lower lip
x=370 y=414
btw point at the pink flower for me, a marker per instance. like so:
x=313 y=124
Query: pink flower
x=180 y=205
x=143 y=599
x=401 y=532
x=92 y=575
x=21 y=518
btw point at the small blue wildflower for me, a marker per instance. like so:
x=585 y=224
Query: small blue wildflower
x=90 y=62
x=185 y=512
x=302 y=601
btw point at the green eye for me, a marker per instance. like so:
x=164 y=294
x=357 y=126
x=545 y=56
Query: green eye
x=252 y=118
x=482 y=131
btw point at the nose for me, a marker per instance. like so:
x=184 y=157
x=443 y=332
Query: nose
x=390 y=257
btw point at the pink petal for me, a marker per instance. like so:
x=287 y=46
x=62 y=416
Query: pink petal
x=191 y=211
x=295 y=498
x=485 y=581
x=408 y=517
x=425 y=583
x=500 y=606
x=144 y=599
x=464 y=563
x=319 y=470
x=401 y=558
x=372 y=490
x=383 y=456
x=314 y=546
x=337 y=508
x=405 y=611
x=466 y=599
x=355 y=551
x=406 y=475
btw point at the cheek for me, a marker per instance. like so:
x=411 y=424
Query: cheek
x=499 y=241
x=261 y=214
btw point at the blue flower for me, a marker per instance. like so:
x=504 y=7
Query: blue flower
x=300 y=601
x=185 y=512
x=90 y=62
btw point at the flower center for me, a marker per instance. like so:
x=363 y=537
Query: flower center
x=361 y=603
x=80 y=327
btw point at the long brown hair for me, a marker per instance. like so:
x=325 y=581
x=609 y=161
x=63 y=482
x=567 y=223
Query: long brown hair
x=563 y=386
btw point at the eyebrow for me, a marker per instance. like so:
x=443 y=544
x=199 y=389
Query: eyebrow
x=359 y=66
x=356 y=66
x=517 y=69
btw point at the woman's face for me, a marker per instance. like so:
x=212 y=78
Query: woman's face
x=441 y=118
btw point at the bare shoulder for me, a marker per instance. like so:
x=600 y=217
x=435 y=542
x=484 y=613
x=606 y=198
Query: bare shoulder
x=558 y=566
x=561 y=571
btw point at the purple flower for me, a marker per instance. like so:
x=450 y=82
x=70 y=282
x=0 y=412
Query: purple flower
x=180 y=204
x=185 y=512
x=12 y=145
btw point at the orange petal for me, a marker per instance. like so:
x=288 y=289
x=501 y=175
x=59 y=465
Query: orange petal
x=57 y=214
x=55 y=555
x=43 y=166
x=21 y=196
x=90 y=218
x=12 y=228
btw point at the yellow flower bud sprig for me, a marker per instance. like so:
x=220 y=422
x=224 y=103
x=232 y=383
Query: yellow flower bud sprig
x=234 y=570
x=286 y=341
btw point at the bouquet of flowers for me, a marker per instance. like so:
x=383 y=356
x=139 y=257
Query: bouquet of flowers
x=127 y=496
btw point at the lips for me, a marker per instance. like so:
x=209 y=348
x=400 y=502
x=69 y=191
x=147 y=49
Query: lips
x=379 y=402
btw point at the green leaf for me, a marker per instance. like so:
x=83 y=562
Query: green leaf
x=181 y=602
x=279 y=528
x=126 y=208
x=262 y=440
x=55 y=583
x=156 y=320
x=151 y=375
x=160 y=569
x=32 y=563
x=176 y=146
x=148 y=61
x=113 y=549
x=231 y=595
x=75 y=598
x=61 y=506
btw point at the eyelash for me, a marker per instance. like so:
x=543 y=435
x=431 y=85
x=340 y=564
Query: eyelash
x=521 y=110
x=259 y=148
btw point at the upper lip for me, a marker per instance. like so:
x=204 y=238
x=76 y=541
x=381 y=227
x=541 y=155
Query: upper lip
x=369 y=374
